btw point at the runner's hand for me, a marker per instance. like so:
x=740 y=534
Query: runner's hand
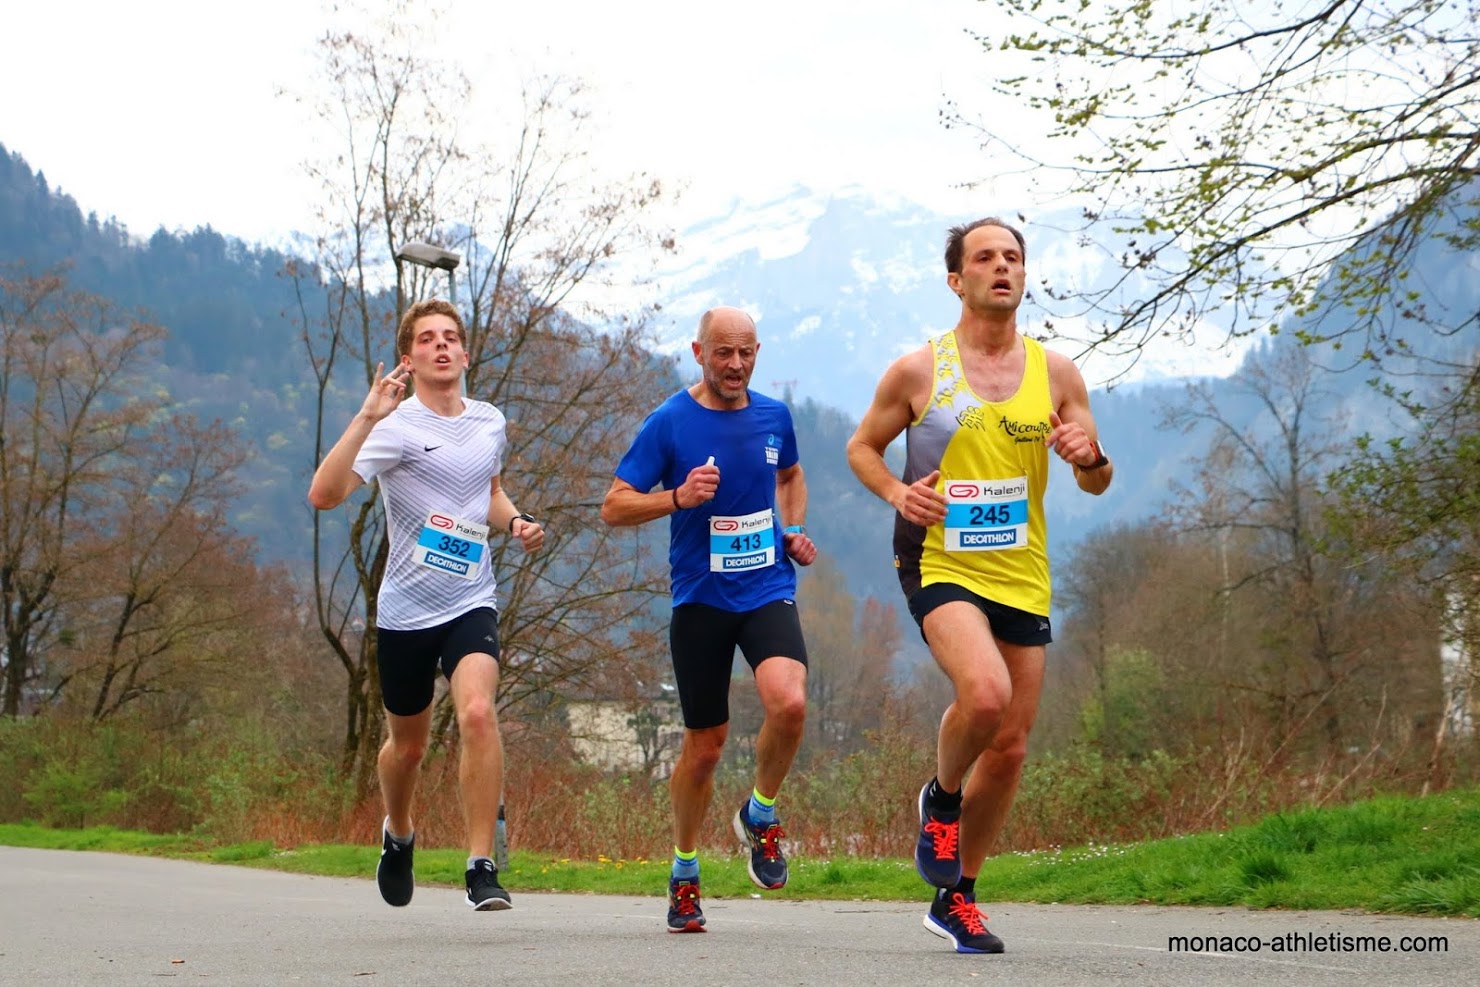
x=531 y=534
x=699 y=486
x=1070 y=441
x=387 y=392
x=799 y=547
x=922 y=504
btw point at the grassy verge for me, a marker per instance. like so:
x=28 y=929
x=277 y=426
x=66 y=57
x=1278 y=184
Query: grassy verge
x=1415 y=856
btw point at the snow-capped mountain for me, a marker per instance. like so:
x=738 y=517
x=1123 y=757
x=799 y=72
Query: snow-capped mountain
x=841 y=284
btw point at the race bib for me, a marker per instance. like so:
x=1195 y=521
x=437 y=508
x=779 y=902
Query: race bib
x=451 y=545
x=740 y=543
x=986 y=515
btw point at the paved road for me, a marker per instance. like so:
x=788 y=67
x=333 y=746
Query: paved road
x=105 y=919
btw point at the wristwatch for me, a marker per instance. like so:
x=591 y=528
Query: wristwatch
x=521 y=516
x=794 y=529
x=1100 y=458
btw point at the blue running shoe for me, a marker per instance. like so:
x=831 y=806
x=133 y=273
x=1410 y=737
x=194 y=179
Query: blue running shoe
x=956 y=917
x=938 y=850
x=684 y=913
x=767 y=863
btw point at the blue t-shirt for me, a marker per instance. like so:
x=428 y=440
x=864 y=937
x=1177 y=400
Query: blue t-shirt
x=722 y=553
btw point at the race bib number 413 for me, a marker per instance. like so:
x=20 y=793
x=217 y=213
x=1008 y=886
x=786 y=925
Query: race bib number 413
x=451 y=545
x=740 y=543
x=986 y=515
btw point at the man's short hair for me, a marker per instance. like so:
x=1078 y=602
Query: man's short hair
x=956 y=240
x=430 y=306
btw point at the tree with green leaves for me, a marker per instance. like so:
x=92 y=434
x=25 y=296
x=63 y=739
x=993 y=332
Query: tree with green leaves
x=1414 y=502
x=1248 y=165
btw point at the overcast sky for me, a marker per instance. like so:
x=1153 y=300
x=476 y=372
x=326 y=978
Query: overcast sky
x=163 y=112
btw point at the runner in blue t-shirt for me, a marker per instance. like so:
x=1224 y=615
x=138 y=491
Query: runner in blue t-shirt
x=725 y=459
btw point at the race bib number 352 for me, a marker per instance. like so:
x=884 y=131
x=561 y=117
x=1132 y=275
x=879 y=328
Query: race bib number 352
x=451 y=545
x=986 y=515
x=740 y=543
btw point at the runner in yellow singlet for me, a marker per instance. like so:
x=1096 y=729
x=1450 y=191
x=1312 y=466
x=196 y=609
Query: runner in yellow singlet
x=981 y=408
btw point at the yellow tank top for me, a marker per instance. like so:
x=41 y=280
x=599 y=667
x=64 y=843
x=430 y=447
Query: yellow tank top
x=994 y=467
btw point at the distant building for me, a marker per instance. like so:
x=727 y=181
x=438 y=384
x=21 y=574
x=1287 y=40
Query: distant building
x=635 y=735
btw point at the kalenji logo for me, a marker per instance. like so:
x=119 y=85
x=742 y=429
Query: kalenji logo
x=726 y=525
x=441 y=521
x=962 y=489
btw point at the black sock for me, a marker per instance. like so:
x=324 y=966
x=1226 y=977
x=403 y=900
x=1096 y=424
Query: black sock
x=966 y=886
x=942 y=799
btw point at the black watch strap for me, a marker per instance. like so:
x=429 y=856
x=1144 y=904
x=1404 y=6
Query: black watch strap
x=1100 y=458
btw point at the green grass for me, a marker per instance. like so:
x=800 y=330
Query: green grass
x=1414 y=856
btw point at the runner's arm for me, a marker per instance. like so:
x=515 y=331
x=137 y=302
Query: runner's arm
x=888 y=415
x=335 y=479
x=791 y=495
x=1074 y=437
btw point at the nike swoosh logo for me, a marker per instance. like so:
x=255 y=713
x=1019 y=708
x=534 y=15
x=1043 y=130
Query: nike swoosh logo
x=431 y=448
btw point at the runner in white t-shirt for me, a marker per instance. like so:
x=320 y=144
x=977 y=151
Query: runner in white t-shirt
x=438 y=457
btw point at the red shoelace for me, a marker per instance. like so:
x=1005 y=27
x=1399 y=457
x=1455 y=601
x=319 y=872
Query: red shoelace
x=686 y=898
x=964 y=910
x=945 y=835
x=770 y=841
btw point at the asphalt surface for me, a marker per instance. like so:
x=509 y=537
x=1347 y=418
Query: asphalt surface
x=94 y=918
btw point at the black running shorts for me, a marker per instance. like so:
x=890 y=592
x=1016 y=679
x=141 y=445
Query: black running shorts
x=703 y=640
x=409 y=660
x=1008 y=623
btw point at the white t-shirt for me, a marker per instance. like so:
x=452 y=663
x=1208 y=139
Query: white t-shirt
x=428 y=464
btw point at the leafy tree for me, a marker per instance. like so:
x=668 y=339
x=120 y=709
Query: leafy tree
x=538 y=235
x=1413 y=501
x=1245 y=164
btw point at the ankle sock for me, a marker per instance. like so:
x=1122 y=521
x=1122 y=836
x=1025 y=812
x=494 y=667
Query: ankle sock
x=966 y=886
x=473 y=861
x=761 y=811
x=396 y=837
x=942 y=799
x=686 y=864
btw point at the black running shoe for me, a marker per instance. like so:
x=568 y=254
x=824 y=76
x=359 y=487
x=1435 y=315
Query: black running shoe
x=485 y=894
x=767 y=864
x=938 y=850
x=954 y=916
x=684 y=913
x=394 y=874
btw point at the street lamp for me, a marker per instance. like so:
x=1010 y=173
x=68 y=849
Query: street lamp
x=430 y=255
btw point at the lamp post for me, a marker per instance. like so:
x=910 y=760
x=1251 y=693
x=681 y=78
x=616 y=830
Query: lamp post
x=430 y=255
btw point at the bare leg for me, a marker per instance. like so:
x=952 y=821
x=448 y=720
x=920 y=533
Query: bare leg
x=962 y=644
x=399 y=765
x=993 y=785
x=691 y=786
x=481 y=765
x=782 y=684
